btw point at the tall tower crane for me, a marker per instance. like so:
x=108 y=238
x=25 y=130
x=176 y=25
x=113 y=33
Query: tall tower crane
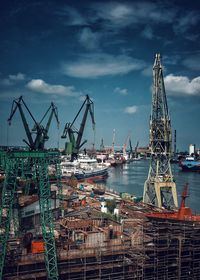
x=70 y=131
x=41 y=131
x=160 y=188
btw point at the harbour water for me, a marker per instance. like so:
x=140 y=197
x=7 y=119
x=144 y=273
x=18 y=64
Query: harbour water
x=130 y=178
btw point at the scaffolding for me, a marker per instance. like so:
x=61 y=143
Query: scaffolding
x=173 y=251
x=152 y=247
x=117 y=262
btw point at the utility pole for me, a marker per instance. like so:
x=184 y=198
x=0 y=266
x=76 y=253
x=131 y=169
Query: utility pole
x=160 y=188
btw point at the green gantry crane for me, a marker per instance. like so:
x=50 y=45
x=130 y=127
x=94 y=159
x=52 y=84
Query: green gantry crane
x=39 y=160
x=74 y=143
x=40 y=131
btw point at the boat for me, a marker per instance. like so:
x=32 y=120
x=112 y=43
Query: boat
x=84 y=168
x=190 y=164
x=116 y=159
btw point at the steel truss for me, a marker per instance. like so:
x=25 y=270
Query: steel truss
x=160 y=188
x=39 y=161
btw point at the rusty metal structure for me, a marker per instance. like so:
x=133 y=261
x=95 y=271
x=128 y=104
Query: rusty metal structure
x=174 y=251
x=160 y=187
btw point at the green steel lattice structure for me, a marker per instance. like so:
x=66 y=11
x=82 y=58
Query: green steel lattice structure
x=15 y=162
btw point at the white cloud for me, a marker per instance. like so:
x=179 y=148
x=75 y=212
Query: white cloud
x=122 y=91
x=131 y=109
x=123 y=14
x=18 y=77
x=39 y=85
x=98 y=65
x=12 y=79
x=182 y=86
x=115 y=14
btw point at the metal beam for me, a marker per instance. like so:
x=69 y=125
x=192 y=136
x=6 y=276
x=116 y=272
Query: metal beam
x=15 y=162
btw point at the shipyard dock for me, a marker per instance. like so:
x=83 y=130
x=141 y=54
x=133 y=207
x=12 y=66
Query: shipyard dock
x=135 y=241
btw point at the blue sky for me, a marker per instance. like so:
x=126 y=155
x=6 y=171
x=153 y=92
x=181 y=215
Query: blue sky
x=59 y=51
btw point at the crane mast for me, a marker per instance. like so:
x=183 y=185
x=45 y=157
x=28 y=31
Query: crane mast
x=160 y=188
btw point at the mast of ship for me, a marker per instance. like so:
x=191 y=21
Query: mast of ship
x=160 y=188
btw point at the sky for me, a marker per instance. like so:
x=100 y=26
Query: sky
x=59 y=51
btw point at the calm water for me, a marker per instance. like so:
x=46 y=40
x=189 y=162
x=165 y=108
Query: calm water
x=131 y=177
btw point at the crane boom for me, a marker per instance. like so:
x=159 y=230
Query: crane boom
x=88 y=103
x=43 y=135
x=54 y=111
x=75 y=143
x=17 y=104
x=39 y=129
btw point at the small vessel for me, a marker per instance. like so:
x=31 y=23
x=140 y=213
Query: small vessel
x=190 y=164
x=117 y=159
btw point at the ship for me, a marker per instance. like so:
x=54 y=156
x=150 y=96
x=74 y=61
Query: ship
x=84 y=168
x=190 y=164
